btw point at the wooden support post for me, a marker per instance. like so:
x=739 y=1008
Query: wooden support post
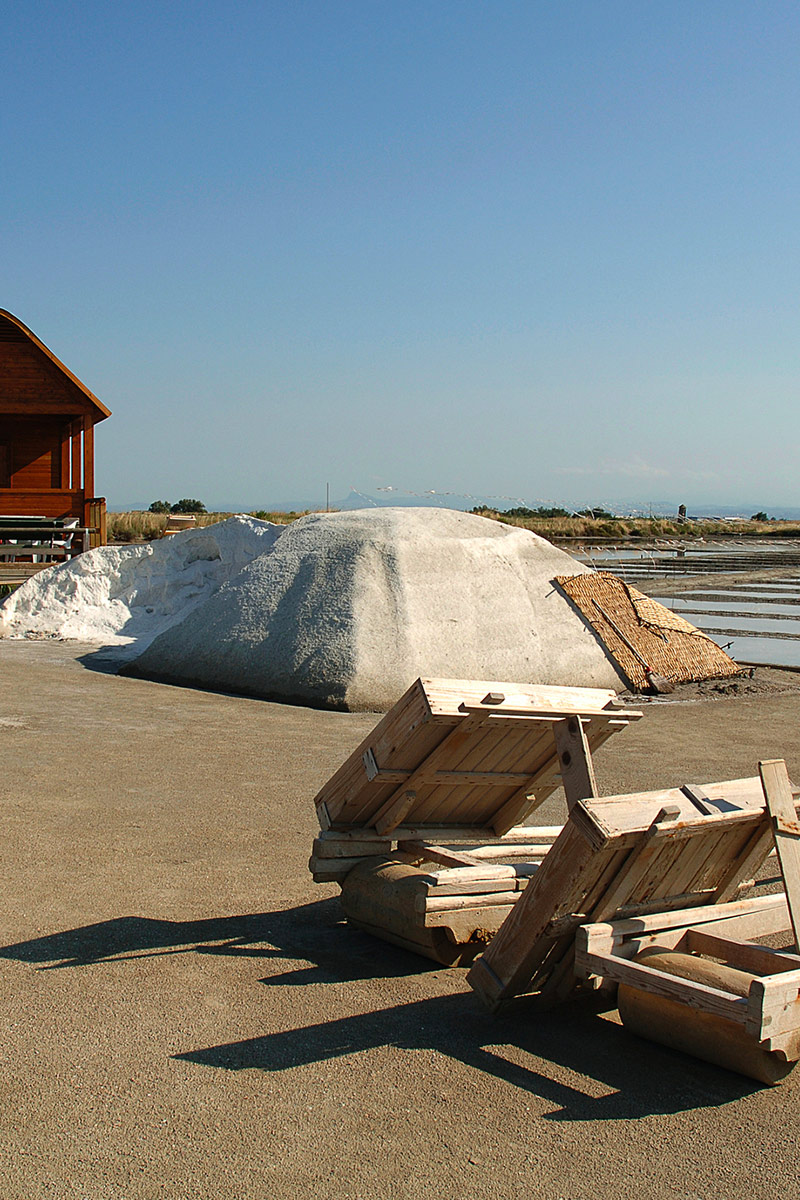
x=75 y=472
x=577 y=772
x=786 y=832
x=88 y=458
x=393 y=815
x=63 y=469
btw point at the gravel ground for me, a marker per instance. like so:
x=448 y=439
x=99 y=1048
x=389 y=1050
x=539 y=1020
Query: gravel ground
x=185 y=1015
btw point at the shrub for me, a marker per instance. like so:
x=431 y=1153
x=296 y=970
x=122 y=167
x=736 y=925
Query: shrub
x=160 y=506
x=188 y=506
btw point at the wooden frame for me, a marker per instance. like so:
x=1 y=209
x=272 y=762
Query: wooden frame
x=770 y=1013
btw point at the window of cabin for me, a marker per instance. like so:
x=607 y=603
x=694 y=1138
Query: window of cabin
x=5 y=466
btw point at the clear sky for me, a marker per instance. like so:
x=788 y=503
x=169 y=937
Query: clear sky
x=544 y=250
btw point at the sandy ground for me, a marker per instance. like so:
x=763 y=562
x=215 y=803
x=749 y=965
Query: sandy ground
x=185 y=1015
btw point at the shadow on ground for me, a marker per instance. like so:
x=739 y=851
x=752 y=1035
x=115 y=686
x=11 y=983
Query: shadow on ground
x=566 y=1056
x=315 y=933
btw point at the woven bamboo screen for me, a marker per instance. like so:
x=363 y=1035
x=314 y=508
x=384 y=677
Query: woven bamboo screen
x=668 y=644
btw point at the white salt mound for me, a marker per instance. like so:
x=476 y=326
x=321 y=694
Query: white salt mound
x=350 y=607
x=119 y=595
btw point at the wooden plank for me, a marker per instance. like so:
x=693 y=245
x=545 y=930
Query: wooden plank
x=489 y=778
x=774 y=1006
x=88 y=456
x=325 y=847
x=752 y=917
x=464 y=923
x=432 y=903
x=447 y=695
x=447 y=835
x=331 y=870
x=75 y=455
x=473 y=887
x=781 y=808
x=530 y=852
x=486 y=871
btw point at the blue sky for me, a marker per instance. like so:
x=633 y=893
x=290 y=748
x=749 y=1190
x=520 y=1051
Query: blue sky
x=540 y=250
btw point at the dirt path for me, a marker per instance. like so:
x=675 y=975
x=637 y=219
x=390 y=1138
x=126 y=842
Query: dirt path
x=185 y=1015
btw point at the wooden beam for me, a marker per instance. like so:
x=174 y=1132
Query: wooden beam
x=394 y=812
x=75 y=473
x=63 y=471
x=438 y=854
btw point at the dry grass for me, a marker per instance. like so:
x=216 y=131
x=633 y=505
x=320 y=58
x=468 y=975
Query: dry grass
x=620 y=529
x=147 y=526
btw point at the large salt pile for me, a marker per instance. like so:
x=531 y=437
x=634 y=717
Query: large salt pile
x=127 y=595
x=350 y=607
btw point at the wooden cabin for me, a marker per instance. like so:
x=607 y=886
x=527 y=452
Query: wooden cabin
x=47 y=420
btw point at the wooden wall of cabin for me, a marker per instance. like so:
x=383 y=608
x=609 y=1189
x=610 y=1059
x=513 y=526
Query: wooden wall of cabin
x=33 y=452
x=41 y=466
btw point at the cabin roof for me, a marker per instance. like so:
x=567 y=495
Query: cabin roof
x=13 y=330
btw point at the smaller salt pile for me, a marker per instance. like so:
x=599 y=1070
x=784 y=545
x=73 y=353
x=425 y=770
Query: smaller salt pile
x=128 y=595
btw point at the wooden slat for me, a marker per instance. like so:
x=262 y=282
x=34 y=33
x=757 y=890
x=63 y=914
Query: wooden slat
x=747 y=956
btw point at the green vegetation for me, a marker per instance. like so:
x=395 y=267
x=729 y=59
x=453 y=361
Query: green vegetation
x=483 y=510
x=182 y=506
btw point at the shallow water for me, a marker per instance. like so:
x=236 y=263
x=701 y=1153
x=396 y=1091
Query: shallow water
x=756 y=622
